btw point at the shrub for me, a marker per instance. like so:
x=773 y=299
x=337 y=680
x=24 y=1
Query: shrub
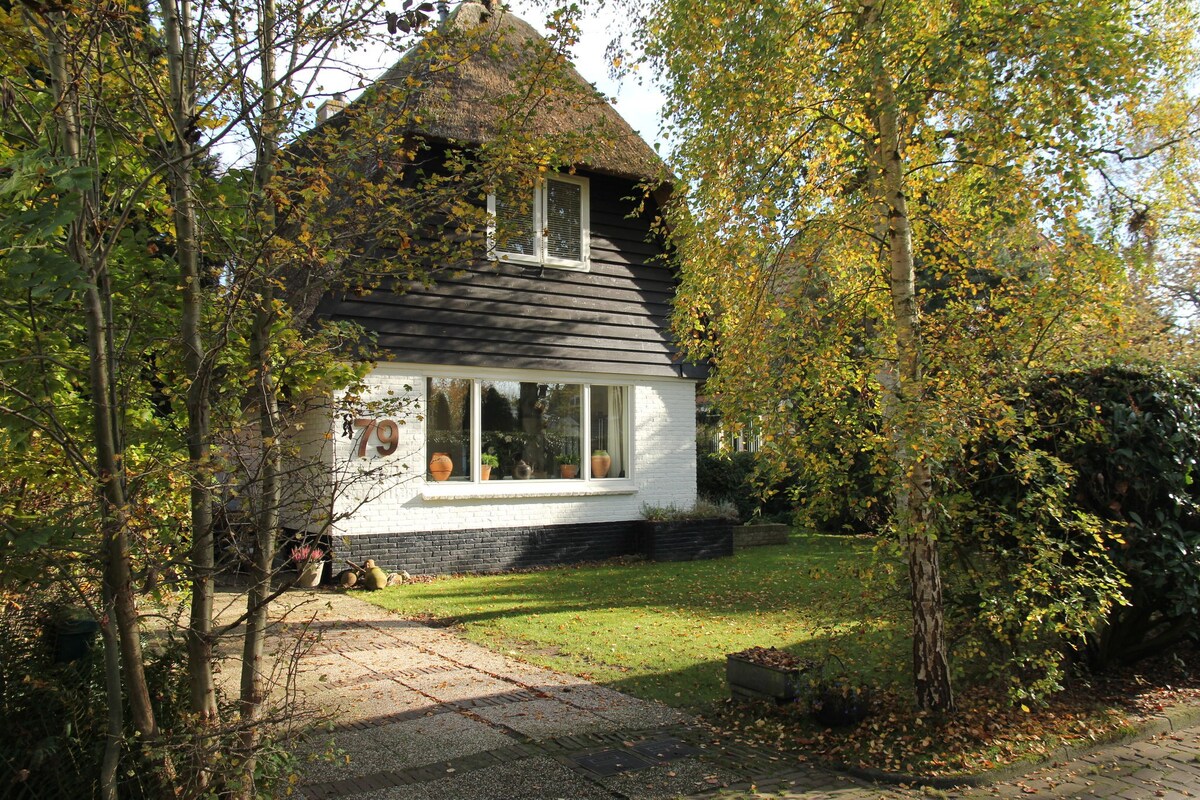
x=1082 y=509
x=703 y=509
x=734 y=478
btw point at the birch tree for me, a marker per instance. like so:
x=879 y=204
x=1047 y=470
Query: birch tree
x=888 y=197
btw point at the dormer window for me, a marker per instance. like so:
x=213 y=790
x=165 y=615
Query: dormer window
x=547 y=226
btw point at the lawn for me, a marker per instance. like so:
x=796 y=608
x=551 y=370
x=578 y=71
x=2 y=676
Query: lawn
x=662 y=630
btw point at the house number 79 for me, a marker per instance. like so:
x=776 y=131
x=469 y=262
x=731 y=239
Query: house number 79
x=386 y=430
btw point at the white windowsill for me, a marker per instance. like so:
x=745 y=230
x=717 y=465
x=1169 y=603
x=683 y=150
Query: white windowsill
x=450 y=490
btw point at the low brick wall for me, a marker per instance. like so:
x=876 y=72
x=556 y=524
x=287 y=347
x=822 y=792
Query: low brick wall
x=489 y=549
x=686 y=540
x=760 y=535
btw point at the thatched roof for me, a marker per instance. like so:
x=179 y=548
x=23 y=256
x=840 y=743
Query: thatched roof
x=504 y=76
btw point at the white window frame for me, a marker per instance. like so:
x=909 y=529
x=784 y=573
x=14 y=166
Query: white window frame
x=536 y=487
x=540 y=256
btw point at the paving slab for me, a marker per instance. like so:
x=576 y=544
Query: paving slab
x=405 y=745
x=671 y=780
x=370 y=700
x=527 y=779
x=543 y=719
x=397 y=658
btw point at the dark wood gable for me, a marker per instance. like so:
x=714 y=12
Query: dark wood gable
x=612 y=318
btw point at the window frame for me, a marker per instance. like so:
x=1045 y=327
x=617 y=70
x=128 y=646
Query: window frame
x=541 y=256
x=585 y=484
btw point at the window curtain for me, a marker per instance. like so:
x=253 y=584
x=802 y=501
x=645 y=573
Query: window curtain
x=616 y=431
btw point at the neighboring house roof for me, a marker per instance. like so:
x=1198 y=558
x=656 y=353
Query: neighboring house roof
x=457 y=101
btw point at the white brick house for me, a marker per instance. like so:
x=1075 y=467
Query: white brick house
x=550 y=349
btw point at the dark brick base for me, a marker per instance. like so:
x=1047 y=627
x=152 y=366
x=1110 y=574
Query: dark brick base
x=688 y=540
x=490 y=550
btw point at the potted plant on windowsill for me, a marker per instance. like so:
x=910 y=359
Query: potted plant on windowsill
x=601 y=463
x=309 y=561
x=487 y=463
x=670 y=533
x=568 y=466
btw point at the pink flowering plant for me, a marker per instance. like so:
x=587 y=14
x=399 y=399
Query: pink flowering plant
x=306 y=554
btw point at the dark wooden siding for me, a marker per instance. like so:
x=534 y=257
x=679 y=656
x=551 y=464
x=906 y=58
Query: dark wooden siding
x=612 y=318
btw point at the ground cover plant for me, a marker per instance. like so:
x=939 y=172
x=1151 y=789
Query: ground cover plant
x=661 y=631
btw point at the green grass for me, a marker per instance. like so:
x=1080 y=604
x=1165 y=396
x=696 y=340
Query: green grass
x=661 y=631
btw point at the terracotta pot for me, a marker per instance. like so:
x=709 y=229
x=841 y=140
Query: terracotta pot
x=568 y=470
x=600 y=466
x=485 y=472
x=440 y=466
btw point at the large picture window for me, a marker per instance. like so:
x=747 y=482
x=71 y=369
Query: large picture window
x=546 y=223
x=498 y=430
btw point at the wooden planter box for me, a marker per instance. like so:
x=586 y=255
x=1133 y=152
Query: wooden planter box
x=687 y=540
x=759 y=682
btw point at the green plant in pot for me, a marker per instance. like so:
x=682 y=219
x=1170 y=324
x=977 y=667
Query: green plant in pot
x=487 y=463
x=568 y=466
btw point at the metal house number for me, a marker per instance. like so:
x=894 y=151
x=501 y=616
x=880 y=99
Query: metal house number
x=385 y=430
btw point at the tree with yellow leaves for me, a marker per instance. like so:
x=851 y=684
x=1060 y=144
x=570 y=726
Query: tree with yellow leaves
x=886 y=208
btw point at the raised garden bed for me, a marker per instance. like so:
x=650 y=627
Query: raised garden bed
x=686 y=540
x=765 y=673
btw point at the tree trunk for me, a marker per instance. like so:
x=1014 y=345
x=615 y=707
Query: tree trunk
x=110 y=462
x=180 y=64
x=114 y=732
x=931 y=670
x=253 y=685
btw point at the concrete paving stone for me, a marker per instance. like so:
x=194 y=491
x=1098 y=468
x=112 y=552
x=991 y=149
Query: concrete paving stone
x=640 y=715
x=664 y=781
x=529 y=779
x=330 y=669
x=543 y=719
x=532 y=675
x=406 y=745
x=399 y=657
x=350 y=641
x=371 y=700
x=590 y=696
x=459 y=684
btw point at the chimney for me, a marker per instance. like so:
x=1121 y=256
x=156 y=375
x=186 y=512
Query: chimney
x=330 y=107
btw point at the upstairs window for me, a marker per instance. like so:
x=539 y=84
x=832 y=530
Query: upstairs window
x=547 y=225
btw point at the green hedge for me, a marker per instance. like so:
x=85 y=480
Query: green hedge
x=1087 y=494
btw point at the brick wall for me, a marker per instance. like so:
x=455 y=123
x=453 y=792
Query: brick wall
x=488 y=550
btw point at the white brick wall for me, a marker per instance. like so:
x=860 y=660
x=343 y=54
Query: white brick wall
x=389 y=494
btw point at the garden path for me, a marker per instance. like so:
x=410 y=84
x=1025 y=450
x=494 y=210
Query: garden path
x=423 y=714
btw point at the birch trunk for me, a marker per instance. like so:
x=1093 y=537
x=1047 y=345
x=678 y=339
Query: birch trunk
x=931 y=670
